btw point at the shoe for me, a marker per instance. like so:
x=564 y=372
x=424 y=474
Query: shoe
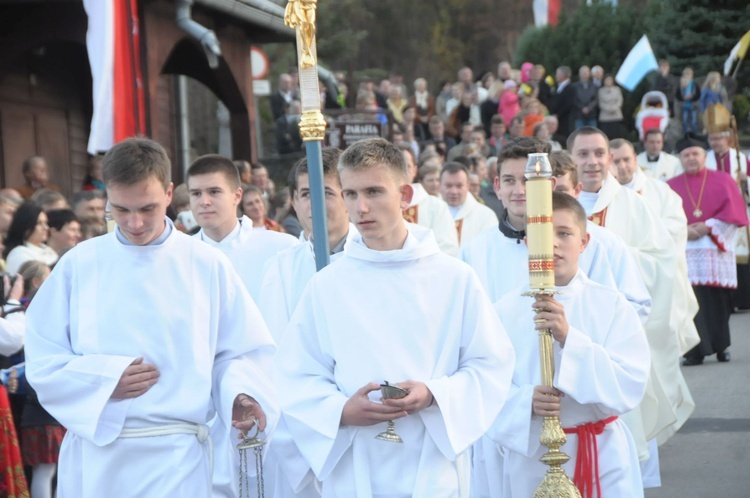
x=724 y=356
x=691 y=362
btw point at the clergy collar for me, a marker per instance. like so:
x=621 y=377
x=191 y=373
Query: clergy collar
x=507 y=229
x=235 y=231
x=332 y=250
x=156 y=242
x=652 y=159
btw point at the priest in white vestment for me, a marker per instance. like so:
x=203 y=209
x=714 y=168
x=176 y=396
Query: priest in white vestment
x=667 y=206
x=601 y=368
x=138 y=339
x=722 y=157
x=655 y=162
x=430 y=211
x=471 y=217
x=626 y=213
x=215 y=192
x=393 y=308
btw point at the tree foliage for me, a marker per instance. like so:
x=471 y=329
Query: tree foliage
x=697 y=33
x=596 y=34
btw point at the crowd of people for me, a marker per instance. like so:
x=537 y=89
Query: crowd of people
x=166 y=322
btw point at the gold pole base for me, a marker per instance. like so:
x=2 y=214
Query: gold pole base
x=390 y=434
x=312 y=126
x=556 y=485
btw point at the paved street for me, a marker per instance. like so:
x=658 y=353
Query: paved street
x=710 y=455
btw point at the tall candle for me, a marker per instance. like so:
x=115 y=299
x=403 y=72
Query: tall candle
x=539 y=232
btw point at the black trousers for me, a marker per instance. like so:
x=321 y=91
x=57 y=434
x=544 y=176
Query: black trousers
x=712 y=320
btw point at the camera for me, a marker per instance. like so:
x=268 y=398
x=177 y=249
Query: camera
x=6 y=283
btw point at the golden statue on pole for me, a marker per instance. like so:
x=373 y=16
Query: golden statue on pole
x=302 y=13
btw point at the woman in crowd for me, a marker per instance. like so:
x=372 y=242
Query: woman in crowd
x=254 y=207
x=64 y=230
x=541 y=131
x=27 y=237
x=712 y=92
x=429 y=176
x=41 y=435
x=610 y=108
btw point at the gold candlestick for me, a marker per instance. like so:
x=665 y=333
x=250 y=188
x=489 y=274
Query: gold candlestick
x=540 y=241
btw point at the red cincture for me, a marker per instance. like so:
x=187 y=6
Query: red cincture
x=587 y=457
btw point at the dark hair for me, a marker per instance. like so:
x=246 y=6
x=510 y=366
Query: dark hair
x=214 y=163
x=58 y=218
x=134 y=160
x=497 y=119
x=84 y=196
x=23 y=224
x=242 y=166
x=561 y=201
x=585 y=131
x=330 y=162
x=652 y=131
x=44 y=197
x=88 y=179
x=454 y=167
x=618 y=143
x=562 y=163
x=520 y=148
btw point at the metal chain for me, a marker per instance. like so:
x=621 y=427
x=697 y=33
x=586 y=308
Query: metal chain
x=243 y=469
x=259 y=470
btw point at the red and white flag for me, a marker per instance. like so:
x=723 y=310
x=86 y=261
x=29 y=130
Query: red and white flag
x=113 y=44
x=546 y=12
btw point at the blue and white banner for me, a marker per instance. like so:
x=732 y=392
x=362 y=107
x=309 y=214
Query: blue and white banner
x=639 y=62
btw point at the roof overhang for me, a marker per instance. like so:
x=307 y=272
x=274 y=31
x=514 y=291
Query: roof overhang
x=267 y=14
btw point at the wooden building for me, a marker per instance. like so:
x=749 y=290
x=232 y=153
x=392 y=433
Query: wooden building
x=46 y=84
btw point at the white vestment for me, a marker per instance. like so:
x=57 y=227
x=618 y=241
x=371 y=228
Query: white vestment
x=602 y=370
x=283 y=284
x=667 y=167
x=250 y=250
x=735 y=166
x=666 y=204
x=432 y=212
x=284 y=281
x=472 y=219
x=502 y=264
x=374 y=316
x=180 y=306
x=668 y=403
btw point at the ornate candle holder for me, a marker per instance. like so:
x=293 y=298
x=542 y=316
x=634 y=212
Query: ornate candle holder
x=540 y=241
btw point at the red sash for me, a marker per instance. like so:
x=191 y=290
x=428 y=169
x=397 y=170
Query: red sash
x=587 y=457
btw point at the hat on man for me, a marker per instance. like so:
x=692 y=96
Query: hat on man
x=691 y=140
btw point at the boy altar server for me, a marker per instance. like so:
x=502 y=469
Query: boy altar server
x=215 y=192
x=393 y=308
x=137 y=339
x=601 y=367
x=289 y=271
